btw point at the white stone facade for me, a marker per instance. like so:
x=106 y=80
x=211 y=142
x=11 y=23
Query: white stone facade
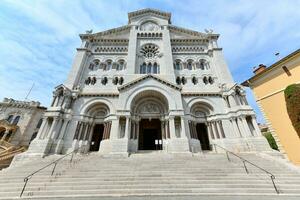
x=148 y=85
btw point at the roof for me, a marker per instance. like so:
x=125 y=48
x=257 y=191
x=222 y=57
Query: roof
x=162 y=14
x=276 y=64
x=129 y=84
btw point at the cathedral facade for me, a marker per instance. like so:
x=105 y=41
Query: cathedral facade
x=148 y=85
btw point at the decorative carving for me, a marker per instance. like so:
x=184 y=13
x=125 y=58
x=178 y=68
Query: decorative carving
x=149 y=26
x=149 y=108
x=149 y=51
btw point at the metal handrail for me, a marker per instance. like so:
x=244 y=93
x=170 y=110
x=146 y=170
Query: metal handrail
x=27 y=178
x=272 y=176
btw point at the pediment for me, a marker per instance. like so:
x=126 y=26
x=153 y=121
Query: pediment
x=183 y=33
x=149 y=77
x=147 y=13
x=115 y=33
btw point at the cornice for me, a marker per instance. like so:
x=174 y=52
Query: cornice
x=147 y=77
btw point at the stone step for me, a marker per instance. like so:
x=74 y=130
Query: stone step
x=156 y=191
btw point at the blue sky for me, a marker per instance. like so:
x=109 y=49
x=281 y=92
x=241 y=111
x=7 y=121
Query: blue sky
x=38 y=38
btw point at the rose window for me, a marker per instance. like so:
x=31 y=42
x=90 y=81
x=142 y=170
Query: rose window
x=149 y=51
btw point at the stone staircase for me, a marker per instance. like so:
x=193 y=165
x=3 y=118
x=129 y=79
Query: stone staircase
x=150 y=174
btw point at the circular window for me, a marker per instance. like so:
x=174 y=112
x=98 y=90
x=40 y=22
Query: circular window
x=149 y=51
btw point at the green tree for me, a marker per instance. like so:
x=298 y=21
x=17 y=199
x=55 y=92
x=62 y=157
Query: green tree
x=292 y=99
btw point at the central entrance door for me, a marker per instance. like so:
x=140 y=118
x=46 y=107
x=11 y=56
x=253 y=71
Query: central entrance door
x=97 y=137
x=150 y=137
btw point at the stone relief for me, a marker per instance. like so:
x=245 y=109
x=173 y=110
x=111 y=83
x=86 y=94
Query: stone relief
x=149 y=108
x=149 y=26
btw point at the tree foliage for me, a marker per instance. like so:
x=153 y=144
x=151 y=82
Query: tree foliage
x=271 y=140
x=292 y=99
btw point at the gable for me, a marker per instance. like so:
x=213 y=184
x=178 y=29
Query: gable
x=115 y=33
x=147 y=77
x=180 y=33
x=149 y=12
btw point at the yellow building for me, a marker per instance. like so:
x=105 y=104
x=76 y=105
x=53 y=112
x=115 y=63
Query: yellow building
x=268 y=85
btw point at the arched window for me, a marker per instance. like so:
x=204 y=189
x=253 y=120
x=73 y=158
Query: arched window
x=149 y=68
x=16 y=120
x=183 y=80
x=205 y=80
x=210 y=80
x=202 y=64
x=190 y=64
x=177 y=65
x=115 y=80
x=121 y=65
x=9 y=119
x=194 y=80
x=143 y=68
x=88 y=81
x=121 y=80
x=108 y=65
x=104 y=81
x=93 y=80
x=178 y=80
x=155 y=68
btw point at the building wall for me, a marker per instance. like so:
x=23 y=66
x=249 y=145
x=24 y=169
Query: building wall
x=269 y=92
x=30 y=113
x=208 y=91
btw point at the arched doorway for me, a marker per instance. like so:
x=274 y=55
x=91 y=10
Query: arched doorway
x=98 y=129
x=151 y=109
x=199 y=130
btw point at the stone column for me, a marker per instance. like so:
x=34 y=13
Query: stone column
x=137 y=130
x=57 y=129
x=172 y=127
x=221 y=134
x=167 y=129
x=90 y=135
x=127 y=131
x=108 y=130
x=241 y=125
x=190 y=129
x=246 y=127
x=163 y=133
x=195 y=130
x=235 y=123
x=104 y=130
x=41 y=130
x=210 y=131
x=52 y=128
x=256 y=127
x=63 y=129
x=183 y=134
x=216 y=130
x=114 y=128
x=84 y=133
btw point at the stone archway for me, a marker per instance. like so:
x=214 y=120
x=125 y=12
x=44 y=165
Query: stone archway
x=199 y=126
x=94 y=127
x=149 y=110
